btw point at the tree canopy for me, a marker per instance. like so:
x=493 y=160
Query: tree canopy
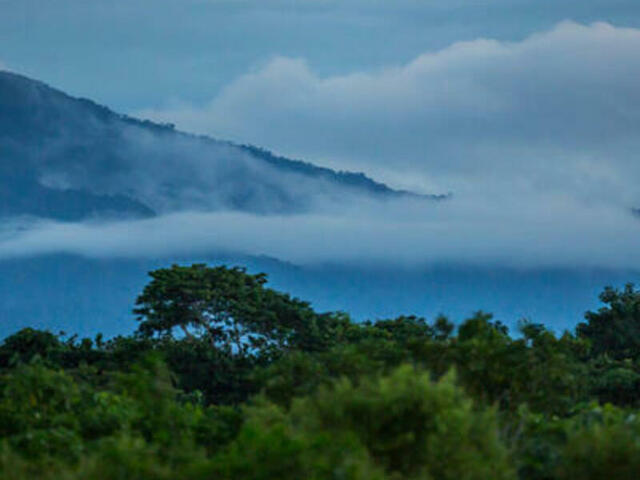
x=227 y=378
x=614 y=329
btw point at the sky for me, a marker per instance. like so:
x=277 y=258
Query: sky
x=527 y=111
x=135 y=54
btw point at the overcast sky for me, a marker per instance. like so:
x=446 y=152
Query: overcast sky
x=528 y=111
x=133 y=54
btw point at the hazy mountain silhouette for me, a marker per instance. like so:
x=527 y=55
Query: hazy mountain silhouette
x=68 y=158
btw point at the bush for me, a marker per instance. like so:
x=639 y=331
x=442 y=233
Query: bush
x=403 y=424
x=604 y=446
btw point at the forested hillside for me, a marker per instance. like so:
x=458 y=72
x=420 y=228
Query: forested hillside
x=226 y=378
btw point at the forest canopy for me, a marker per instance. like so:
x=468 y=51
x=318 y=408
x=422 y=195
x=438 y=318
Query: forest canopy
x=227 y=378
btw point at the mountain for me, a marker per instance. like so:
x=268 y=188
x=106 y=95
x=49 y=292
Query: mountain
x=69 y=158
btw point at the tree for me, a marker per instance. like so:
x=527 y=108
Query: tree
x=614 y=330
x=24 y=345
x=606 y=444
x=403 y=424
x=229 y=308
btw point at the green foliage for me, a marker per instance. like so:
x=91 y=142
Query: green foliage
x=271 y=446
x=229 y=379
x=614 y=329
x=615 y=381
x=230 y=308
x=403 y=425
x=411 y=426
x=607 y=445
x=38 y=412
x=28 y=344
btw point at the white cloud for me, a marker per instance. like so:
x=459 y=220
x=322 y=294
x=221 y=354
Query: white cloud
x=404 y=232
x=558 y=111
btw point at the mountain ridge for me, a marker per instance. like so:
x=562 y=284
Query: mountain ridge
x=63 y=147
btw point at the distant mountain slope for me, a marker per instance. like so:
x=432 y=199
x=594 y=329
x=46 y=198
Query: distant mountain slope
x=87 y=296
x=26 y=196
x=68 y=158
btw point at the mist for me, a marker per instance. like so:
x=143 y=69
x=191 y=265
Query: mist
x=532 y=232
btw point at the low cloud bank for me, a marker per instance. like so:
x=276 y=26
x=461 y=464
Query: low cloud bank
x=406 y=233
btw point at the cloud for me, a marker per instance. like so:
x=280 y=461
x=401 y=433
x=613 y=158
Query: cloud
x=191 y=48
x=557 y=111
x=408 y=233
x=537 y=139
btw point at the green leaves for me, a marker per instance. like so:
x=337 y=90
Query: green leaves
x=614 y=330
x=38 y=410
x=230 y=309
x=608 y=446
x=229 y=379
x=412 y=426
x=27 y=344
x=401 y=425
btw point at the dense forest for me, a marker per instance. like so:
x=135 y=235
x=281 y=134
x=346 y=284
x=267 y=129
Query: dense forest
x=226 y=378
